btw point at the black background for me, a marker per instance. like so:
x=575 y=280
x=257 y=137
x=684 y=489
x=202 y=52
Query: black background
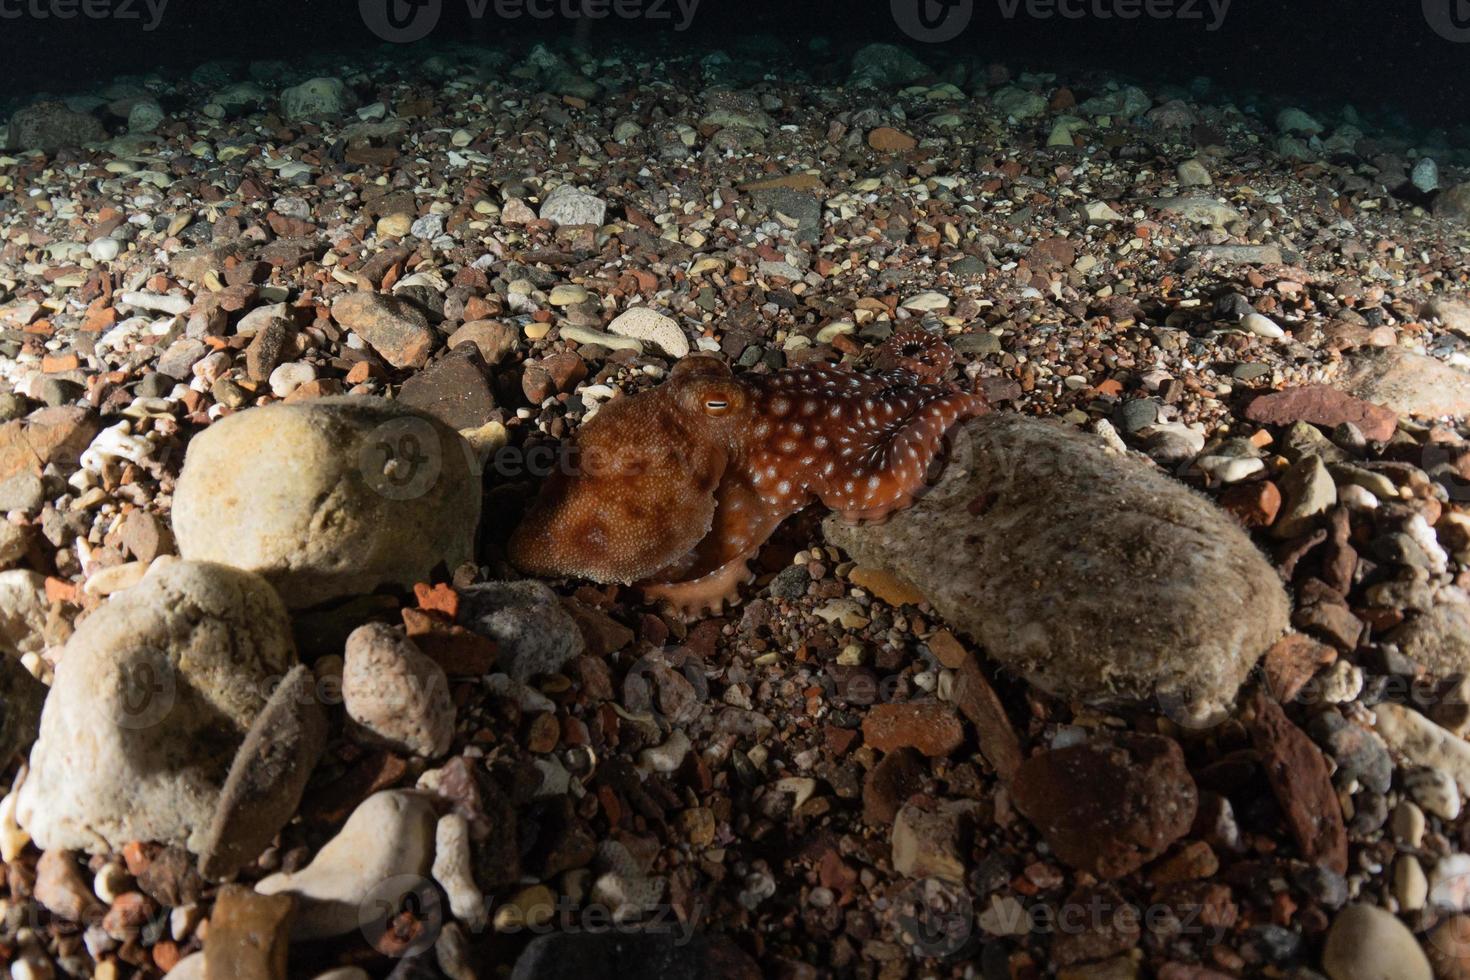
x=1372 y=53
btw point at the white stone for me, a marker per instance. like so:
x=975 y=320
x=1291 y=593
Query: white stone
x=388 y=836
x=1435 y=792
x=1262 y=326
x=568 y=206
x=653 y=327
x=927 y=301
x=289 y=376
x=453 y=862
x=104 y=249
x=149 y=706
x=23 y=608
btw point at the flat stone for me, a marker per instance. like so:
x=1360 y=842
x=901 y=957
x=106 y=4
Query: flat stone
x=1325 y=406
x=267 y=776
x=569 y=206
x=928 y=726
x=1298 y=774
x=1094 y=576
x=651 y=326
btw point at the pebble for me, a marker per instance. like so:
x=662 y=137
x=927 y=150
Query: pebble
x=1367 y=943
x=399 y=696
x=388 y=837
x=651 y=326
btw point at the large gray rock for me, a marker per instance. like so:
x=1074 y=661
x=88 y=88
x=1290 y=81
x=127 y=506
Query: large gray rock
x=153 y=696
x=50 y=126
x=1408 y=383
x=329 y=498
x=1094 y=576
x=316 y=98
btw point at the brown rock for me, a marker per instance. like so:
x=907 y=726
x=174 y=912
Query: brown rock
x=1408 y=383
x=1253 y=504
x=52 y=435
x=929 y=726
x=979 y=703
x=1291 y=662
x=146 y=536
x=61 y=889
x=1099 y=923
x=1325 y=406
x=494 y=339
x=896 y=777
x=886 y=139
x=456 y=389
x=249 y=935
x=1299 y=777
x=397 y=330
x=268 y=349
x=1108 y=808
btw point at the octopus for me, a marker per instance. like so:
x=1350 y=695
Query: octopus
x=675 y=489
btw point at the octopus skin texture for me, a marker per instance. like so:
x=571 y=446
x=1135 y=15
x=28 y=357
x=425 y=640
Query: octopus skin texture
x=675 y=489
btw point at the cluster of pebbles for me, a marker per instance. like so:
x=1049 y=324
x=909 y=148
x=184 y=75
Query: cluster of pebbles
x=1168 y=677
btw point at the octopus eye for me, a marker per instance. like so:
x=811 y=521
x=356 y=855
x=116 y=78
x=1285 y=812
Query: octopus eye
x=716 y=406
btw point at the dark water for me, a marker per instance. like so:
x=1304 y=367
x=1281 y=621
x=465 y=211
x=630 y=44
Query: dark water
x=1400 y=57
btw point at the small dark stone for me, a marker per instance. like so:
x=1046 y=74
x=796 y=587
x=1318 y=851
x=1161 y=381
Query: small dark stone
x=455 y=389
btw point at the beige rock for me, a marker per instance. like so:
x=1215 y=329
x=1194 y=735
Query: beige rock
x=329 y=498
x=1367 y=943
x=642 y=323
x=1408 y=383
x=1422 y=742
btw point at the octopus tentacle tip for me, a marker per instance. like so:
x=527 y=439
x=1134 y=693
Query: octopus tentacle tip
x=708 y=464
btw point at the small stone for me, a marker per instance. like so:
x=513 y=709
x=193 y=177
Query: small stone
x=453 y=870
x=651 y=326
x=886 y=139
x=933 y=841
x=1262 y=326
x=316 y=98
x=455 y=389
x=1192 y=173
x=386 y=842
x=569 y=206
x=1367 y=943
x=929 y=727
x=1410 y=885
x=249 y=936
x=1325 y=406
x=1434 y=791
x=397 y=225
x=896 y=777
x=493 y=339
x=1108 y=808
x=397 y=694
x=1309 y=492
x=266 y=351
x=61 y=889
x=393 y=327
x=534 y=631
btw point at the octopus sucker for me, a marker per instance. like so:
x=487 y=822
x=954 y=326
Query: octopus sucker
x=693 y=476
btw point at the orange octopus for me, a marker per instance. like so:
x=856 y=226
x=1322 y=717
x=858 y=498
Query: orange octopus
x=676 y=488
